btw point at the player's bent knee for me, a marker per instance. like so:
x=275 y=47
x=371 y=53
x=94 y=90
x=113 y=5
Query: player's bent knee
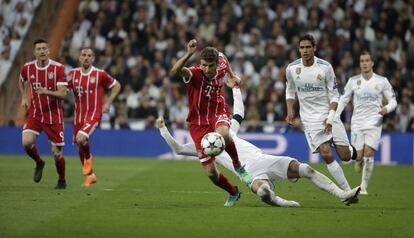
x=81 y=140
x=306 y=170
x=27 y=143
x=57 y=154
x=264 y=191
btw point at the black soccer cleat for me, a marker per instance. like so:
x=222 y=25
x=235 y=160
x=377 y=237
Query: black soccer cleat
x=353 y=199
x=38 y=171
x=61 y=184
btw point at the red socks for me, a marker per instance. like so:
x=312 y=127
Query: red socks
x=224 y=183
x=60 y=168
x=32 y=152
x=232 y=151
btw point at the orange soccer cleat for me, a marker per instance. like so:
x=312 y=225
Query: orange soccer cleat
x=87 y=166
x=89 y=180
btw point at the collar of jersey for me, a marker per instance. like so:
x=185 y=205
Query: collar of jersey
x=88 y=73
x=42 y=68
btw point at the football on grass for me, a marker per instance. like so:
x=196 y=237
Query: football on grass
x=213 y=144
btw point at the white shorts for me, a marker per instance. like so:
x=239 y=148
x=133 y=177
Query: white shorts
x=370 y=137
x=316 y=136
x=270 y=167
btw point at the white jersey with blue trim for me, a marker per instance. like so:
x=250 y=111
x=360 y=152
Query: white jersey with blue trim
x=315 y=87
x=367 y=100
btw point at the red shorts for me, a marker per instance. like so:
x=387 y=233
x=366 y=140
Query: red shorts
x=54 y=132
x=86 y=128
x=197 y=133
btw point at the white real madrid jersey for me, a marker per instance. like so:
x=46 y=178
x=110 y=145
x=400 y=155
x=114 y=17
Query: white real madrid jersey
x=315 y=87
x=367 y=100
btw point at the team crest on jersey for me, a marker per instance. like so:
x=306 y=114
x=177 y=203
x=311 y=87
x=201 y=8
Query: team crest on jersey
x=50 y=75
x=319 y=77
x=298 y=70
x=93 y=79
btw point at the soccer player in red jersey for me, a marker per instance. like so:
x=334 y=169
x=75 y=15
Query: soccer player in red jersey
x=47 y=83
x=88 y=84
x=208 y=110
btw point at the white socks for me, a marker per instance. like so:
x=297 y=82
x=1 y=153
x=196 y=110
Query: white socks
x=320 y=180
x=268 y=196
x=336 y=171
x=367 y=172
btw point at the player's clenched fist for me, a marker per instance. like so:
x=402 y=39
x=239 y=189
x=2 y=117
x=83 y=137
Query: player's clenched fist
x=192 y=46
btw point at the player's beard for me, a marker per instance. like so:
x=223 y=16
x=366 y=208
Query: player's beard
x=86 y=65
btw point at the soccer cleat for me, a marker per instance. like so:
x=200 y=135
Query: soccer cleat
x=38 y=171
x=358 y=165
x=232 y=199
x=244 y=175
x=353 y=198
x=89 y=180
x=61 y=184
x=87 y=166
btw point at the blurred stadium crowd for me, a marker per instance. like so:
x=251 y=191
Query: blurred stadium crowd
x=15 y=18
x=138 y=41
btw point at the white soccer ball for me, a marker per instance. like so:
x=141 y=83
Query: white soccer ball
x=213 y=144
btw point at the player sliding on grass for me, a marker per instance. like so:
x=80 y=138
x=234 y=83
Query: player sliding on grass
x=208 y=110
x=263 y=167
x=88 y=84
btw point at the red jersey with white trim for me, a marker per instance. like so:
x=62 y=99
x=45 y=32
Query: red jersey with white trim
x=44 y=108
x=206 y=99
x=88 y=89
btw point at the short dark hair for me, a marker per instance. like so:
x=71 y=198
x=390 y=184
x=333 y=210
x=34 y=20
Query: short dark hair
x=40 y=40
x=88 y=48
x=365 y=52
x=209 y=54
x=307 y=37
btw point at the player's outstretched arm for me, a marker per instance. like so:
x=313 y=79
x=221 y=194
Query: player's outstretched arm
x=178 y=68
x=186 y=149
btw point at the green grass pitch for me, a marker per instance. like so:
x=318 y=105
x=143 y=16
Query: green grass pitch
x=158 y=198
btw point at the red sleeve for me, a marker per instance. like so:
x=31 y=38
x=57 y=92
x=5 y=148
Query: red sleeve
x=195 y=74
x=106 y=80
x=23 y=74
x=61 y=76
x=70 y=81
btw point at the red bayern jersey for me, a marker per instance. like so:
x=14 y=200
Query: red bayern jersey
x=88 y=89
x=44 y=108
x=206 y=99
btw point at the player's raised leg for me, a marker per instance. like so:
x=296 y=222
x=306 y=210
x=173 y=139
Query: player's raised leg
x=220 y=180
x=223 y=129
